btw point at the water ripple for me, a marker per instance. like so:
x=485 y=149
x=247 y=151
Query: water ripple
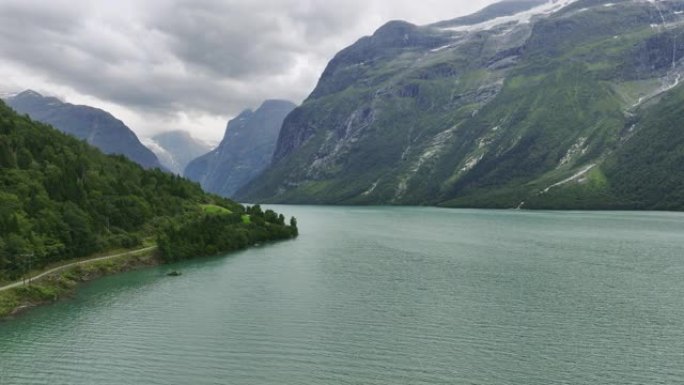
x=384 y=296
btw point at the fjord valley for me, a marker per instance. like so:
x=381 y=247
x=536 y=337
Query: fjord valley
x=245 y=151
x=488 y=199
x=62 y=199
x=562 y=104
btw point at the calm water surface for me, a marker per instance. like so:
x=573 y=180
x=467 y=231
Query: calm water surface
x=384 y=296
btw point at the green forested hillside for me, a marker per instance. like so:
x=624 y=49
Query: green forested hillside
x=645 y=172
x=99 y=128
x=61 y=198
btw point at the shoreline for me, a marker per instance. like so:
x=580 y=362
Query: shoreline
x=62 y=282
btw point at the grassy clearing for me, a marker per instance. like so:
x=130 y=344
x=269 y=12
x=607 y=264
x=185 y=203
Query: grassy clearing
x=214 y=209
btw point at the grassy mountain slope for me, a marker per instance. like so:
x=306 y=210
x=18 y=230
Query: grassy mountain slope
x=645 y=172
x=508 y=116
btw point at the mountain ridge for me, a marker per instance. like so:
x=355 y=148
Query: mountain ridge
x=98 y=127
x=510 y=112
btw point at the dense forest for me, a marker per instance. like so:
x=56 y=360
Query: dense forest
x=219 y=232
x=61 y=199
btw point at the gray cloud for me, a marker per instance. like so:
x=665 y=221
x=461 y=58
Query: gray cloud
x=168 y=64
x=229 y=40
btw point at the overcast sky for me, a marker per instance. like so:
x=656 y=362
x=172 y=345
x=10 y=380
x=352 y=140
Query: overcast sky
x=161 y=65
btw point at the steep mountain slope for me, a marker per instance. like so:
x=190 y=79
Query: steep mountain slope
x=97 y=127
x=246 y=149
x=60 y=199
x=534 y=107
x=176 y=149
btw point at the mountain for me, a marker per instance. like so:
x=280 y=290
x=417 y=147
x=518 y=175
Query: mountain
x=93 y=125
x=559 y=104
x=62 y=199
x=246 y=149
x=175 y=149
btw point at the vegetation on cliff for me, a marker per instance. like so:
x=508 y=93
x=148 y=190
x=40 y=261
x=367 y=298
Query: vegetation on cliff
x=576 y=108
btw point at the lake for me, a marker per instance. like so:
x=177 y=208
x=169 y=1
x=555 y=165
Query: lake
x=384 y=296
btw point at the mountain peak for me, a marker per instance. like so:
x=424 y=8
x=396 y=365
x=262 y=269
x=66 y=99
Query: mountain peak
x=28 y=94
x=33 y=99
x=245 y=114
x=277 y=104
x=395 y=26
x=401 y=34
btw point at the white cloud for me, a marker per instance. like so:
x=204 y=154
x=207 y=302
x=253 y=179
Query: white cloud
x=162 y=65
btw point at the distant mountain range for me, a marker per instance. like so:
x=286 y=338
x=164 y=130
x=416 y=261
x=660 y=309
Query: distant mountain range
x=245 y=151
x=99 y=128
x=176 y=149
x=559 y=104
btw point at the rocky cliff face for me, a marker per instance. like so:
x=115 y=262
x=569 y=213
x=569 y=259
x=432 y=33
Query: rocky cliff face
x=99 y=128
x=246 y=150
x=525 y=104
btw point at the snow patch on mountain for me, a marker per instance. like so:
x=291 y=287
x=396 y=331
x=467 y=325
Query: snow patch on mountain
x=525 y=17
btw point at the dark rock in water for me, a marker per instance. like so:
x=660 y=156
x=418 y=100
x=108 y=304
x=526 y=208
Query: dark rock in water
x=174 y=274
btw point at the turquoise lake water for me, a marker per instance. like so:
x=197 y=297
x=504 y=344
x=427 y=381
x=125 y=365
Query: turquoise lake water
x=384 y=296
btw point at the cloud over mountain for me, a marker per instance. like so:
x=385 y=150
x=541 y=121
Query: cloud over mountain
x=168 y=64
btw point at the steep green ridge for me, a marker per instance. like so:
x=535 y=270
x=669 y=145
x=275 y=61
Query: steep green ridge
x=647 y=172
x=62 y=199
x=643 y=173
x=545 y=113
x=97 y=127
